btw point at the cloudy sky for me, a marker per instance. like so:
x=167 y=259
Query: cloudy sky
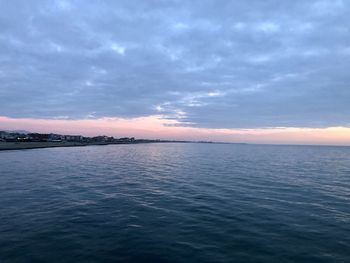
x=199 y=65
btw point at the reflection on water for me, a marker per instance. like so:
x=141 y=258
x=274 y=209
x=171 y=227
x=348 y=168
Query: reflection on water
x=175 y=203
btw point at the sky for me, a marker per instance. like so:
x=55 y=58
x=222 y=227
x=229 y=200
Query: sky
x=248 y=71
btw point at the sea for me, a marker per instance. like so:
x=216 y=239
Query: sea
x=175 y=202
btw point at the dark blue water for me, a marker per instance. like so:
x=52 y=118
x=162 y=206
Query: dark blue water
x=175 y=203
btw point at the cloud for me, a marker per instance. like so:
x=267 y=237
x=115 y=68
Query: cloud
x=268 y=27
x=211 y=64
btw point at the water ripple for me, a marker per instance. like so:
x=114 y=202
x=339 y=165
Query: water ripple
x=175 y=203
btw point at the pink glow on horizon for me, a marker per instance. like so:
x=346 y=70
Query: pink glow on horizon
x=153 y=127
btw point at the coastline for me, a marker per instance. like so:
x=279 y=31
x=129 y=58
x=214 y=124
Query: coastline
x=8 y=146
x=23 y=140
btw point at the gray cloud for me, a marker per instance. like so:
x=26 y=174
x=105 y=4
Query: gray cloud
x=222 y=64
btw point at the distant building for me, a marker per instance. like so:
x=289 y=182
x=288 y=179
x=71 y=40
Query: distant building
x=125 y=140
x=38 y=137
x=56 y=137
x=3 y=134
x=73 y=138
x=101 y=138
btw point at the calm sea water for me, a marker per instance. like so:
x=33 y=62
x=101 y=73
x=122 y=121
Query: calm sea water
x=175 y=203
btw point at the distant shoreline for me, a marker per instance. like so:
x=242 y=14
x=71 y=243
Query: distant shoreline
x=8 y=146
